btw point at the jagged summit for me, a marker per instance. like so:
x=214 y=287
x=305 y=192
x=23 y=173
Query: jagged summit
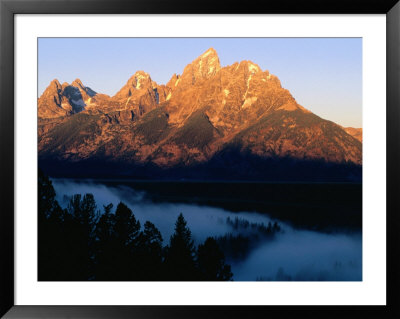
x=141 y=72
x=55 y=82
x=53 y=87
x=138 y=81
x=139 y=95
x=202 y=68
x=173 y=82
x=209 y=52
x=251 y=66
x=65 y=99
x=85 y=91
x=77 y=83
x=138 y=76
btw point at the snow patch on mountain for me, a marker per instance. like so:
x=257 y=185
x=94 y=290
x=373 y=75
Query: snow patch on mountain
x=79 y=102
x=249 y=101
x=248 y=85
x=139 y=78
x=253 y=68
x=207 y=53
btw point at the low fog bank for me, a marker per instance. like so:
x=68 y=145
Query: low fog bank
x=289 y=255
x=304 y=256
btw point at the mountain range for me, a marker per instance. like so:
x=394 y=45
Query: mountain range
x=232 y=122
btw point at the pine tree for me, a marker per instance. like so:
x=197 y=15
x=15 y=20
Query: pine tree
x=150 y=253
x=126 y=232
x=80 y=224
x=51 y=239
x=180 y=254
x=104 y=243
x=211 y=262
x=126 y=226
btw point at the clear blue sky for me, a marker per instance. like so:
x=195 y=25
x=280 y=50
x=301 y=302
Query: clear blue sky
x=323 y=74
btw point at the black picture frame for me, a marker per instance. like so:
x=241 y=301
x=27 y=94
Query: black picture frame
x=8 y=8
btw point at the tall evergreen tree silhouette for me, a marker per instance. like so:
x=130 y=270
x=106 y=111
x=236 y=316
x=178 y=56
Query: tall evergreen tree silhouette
x=47 y=204
x=81 y=222
x=51 y=239
x=126 y=231
x=211 y=262
x=180 y=254
x=104 y=245
x=149 y=253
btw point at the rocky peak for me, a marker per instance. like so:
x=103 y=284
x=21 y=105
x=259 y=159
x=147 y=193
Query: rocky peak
x=54 y=84
x=56 y=100
x=86 y=92
x=247 y=68
x=53 y=91
x=209 y=53
x=173 y=82
x=204 y=67
x=77 y=82
x=138 y=82
x=251 y=67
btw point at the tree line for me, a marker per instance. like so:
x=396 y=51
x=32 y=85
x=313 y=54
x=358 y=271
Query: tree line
x=78 y=243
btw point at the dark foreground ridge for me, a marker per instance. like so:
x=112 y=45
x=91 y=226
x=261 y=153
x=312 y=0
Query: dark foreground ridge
x=229 y=165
